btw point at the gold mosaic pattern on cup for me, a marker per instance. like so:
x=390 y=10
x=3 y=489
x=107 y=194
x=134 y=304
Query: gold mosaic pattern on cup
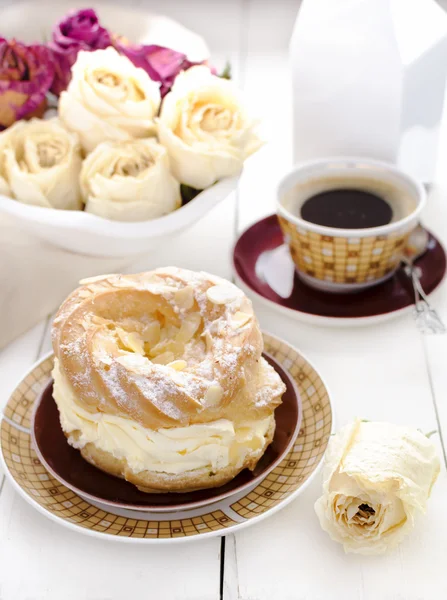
x=57 y=499
x=343 y=259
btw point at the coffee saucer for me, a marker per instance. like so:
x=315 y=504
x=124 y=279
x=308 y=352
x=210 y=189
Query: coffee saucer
x=261 y=247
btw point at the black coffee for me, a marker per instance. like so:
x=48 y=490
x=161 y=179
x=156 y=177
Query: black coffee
x=347 y=209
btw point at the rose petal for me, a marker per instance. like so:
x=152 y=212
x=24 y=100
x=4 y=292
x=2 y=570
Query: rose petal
x=108 y=98
x=78 y=30
x=160 y=63
x=387 y=468
x=129 y=181
x=204 y=126
x=32 y=76
x=40 y=163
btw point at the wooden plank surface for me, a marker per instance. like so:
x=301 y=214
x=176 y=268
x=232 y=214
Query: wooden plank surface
x=384 y=372
x=64 y=564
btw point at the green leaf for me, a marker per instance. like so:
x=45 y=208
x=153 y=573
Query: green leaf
x=188 y=193
x=226 y=73
x=52 y=100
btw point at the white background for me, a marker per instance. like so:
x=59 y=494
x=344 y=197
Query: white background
x=387 y=372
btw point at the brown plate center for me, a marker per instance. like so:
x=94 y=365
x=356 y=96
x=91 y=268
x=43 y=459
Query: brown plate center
x=68 y=466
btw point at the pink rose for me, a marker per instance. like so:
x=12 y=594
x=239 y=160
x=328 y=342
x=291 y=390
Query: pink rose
x=78 y=30
x=161 y=64
x=26 y=75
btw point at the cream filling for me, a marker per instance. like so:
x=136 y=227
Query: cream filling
x=214 y=445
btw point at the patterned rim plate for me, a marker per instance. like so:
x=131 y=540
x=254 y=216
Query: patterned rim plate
x=376 y=304
x=69 y=468
x=242 y=509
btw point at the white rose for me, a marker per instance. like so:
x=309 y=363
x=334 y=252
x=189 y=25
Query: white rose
x=377 y=476
x=129 y=181
x=204 y=126
x=40 y=163
x=108 y=98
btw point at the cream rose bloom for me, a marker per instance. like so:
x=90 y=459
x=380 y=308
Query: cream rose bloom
x=40 y=163
x=129 y=181
x=205 y=127
x=108 y=98
x=377 y=477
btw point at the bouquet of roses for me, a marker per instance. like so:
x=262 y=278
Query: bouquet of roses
x=139 y=130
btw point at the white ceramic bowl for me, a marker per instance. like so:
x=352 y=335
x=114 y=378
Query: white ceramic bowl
x=85 y=233
x=78 y=231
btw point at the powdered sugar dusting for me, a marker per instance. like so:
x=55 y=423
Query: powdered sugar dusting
x=216 y=356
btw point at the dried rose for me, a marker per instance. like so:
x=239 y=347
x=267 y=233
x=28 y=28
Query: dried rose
x=206 y=128
x=40 y=164
x=78 y=30
x=109 y=99
x=129 y=181
x=377 y=478
x=161 y=64
x=26 y=74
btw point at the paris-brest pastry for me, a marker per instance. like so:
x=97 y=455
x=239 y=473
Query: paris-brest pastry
x=159 y=379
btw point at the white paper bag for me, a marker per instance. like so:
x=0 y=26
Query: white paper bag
x=368 y=80
x=347 y=80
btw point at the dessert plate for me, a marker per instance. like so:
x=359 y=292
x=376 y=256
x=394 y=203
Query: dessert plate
x=244 y=507
x=252 y=253
x=69 y=468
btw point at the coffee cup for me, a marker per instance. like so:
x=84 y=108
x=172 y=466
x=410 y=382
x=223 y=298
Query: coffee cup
x=347 y=220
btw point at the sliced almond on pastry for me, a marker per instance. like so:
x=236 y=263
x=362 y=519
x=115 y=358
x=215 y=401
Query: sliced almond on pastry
x=131 y=340
x=208 y=340
x=84 y=324
x=159 y=289
x=213 y=395
x=178 y=365
x=177 y=348
x=101 y=355
x=164 y=359
x=190 y=324
x=132 y=361
x=239 y=319
x=184 y=297
x=168 y=333
x=121 y=281
x=151 y=333
x=223 y=294
x=96 y=278
x=98 y=320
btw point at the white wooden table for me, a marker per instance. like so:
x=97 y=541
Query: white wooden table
x=386 y=372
